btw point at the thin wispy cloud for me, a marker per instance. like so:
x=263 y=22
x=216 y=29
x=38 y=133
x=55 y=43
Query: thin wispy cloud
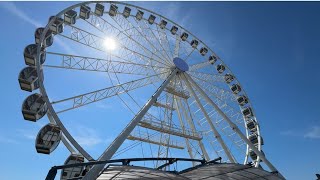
x=314 y=133
x=7 y=140
x=309 y=133
x=27 y=134
x=89 y=137
x=13 y=9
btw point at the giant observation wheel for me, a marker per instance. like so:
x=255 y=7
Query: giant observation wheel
x=182 y=97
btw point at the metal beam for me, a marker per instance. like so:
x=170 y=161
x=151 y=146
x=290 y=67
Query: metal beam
x=114 y=146
x=232 y=125
x=153 y=141
x=183 y=128
x=94 y=96
x=215 y=131
x=193 y=128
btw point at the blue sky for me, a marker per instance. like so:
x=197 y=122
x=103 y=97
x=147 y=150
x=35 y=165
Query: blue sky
x=272 y=47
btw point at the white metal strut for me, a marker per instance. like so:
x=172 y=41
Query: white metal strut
x=114 y=146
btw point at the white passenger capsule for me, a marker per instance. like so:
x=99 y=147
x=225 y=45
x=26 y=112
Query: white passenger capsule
x=70 y=173
x=242 y=100
x=113 y=10
x=99 y=9
x=247 y=112
x=228 y=78
x=57 y=25
x=48 y=38
x=174 y=30
x=34 y=107
x=70 y=17
x=253 y=155
x=126 y=12
x=48 y=138
x=139 y=15
x=203 y=51
x=251 y=125
x=28 y=79
x=30 y=55
x=184 y=36
x=194 y=43
x=235 y=88
x=163 y=24
x=151 y=19
x=84 y=12
x=253 y=138
x=220 y=68
x=212 y=59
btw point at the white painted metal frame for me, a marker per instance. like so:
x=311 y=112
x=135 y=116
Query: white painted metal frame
x=81 y=100
x=233 y=126
x=114 y=146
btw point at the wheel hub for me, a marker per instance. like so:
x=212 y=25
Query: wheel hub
x=180 y=64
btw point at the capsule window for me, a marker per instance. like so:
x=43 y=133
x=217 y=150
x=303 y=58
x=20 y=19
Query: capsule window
x=194 y=43
x=99 y=9
x=235 y=88
x=212 y=59
x=242 y=100
x=151 y=19
x=247 y=112
x=48 y=39
x=84 y=12
x=57 y=25
x=220 y=68
x=163 y=24
x=139 y=15
x=30 y=54
x=70 y=17
x=184 y=36
x=174 y=30
x=253 y=155
x=251 y=125
x=203 y=51
x=70 y=173
x=126 y=12
x=113 y=10
x=28 y=79
x=34 y=107
x=48 y=138
x=228 y=78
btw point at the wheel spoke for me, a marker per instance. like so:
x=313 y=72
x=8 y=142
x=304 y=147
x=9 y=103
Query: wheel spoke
x=98 y=95
x=76 y=62
x=213 y=128
x=96 y=42
x=232 y=125
x=104 y=26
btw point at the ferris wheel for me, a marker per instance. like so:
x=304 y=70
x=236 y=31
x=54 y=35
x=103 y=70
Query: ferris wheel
x=182 y=97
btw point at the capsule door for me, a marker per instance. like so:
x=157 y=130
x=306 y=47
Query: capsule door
x=48 y=138
x=69 y=173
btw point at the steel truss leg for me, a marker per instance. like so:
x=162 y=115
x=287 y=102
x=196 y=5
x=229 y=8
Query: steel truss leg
x=114 y=146
x=193 y=128
x=231 y=124
x=183 y=129
x=213 y=128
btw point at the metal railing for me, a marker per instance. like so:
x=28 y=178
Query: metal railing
x=54 y=170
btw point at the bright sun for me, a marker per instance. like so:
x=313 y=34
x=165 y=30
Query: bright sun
x=109 y=44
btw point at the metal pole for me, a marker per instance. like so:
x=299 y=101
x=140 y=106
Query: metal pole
x=114 y=146
x=231 y=124
x=183 y=129
x=193 y=128
x=213 y=128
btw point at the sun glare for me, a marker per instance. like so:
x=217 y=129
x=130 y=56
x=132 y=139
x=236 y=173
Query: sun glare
x=109 y=44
